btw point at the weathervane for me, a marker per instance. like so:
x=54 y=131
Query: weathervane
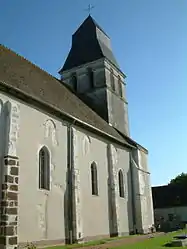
x=90 y=7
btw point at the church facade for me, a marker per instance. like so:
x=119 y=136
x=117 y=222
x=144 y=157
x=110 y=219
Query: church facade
x=70 y=171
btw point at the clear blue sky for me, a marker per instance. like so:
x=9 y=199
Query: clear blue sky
x=149 y=39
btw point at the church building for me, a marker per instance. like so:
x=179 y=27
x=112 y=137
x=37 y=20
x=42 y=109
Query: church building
x=70 y=171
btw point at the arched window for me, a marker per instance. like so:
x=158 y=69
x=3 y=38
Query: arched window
x=44 y=169
x=121 y=184
x=112 y=79
x=91 y=77
x=120 y=86
x=74 y=82
x=94 y=179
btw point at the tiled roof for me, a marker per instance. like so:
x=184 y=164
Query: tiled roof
x=19 y=73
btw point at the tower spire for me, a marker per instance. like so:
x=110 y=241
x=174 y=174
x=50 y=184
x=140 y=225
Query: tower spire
x=92 y=71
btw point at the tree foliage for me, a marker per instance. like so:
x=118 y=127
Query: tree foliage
x=180 y=180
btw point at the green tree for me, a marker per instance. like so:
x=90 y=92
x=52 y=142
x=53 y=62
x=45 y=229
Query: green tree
x=179 y=180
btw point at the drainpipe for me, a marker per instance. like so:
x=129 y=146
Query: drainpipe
x=70 y=194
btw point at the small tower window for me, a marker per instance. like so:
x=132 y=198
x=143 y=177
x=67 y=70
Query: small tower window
x=112 y=80
x=44 y=169
x=91 y=77
x=74 y=82
x=120 y=86
x=94 y=179
x=121 y=184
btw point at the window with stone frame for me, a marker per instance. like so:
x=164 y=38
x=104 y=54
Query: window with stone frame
x=44 y=169
x=94 y=180
x=91 y=77
x=121 y=184
x=112 y=80
x=120 y=86
x=74 y=82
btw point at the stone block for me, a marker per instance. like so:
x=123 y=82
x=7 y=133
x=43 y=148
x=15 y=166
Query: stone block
x=4 y=186
x=10 y=162
x=9 y=179
x=4 y=203
x=12 y=196
x=14 y=187
x=179 y=243
x=4 y=217
x=14 y=171
x=9 y=230
x=13 y=240
x=2 y=240
x=11 y=210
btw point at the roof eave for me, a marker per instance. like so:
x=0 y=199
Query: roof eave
x=4 y=87
x=78 y=67
x=130 y=140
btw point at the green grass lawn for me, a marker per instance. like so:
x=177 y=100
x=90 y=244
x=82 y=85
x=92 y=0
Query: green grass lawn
x=90 y=243
x=151 y=243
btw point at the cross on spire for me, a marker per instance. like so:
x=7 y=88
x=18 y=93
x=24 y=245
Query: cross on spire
x=90 y=7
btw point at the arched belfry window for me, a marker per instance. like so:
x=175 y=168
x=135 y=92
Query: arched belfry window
x=94 y=180
x=112 y=80
x=121 y=184
x=91 y=77
x=74 y=82
x=120 y=86
x=44 y=169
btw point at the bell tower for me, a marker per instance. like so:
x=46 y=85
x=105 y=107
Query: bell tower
x=93 y=73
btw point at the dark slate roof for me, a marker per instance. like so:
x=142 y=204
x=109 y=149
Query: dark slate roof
x=97 y=25
x=18 y=73
x=169 y=196
x=87 y=46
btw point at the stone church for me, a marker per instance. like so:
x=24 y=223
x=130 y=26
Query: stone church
x=69 y=170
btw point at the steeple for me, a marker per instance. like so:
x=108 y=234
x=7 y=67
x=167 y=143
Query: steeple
x=92 y=71
x=89 y=43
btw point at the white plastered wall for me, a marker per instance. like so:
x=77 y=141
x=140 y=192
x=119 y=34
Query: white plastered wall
x=41 y=213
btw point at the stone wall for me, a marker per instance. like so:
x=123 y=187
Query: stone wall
x=36 y=129
x=9 y=203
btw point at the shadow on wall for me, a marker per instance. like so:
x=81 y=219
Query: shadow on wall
x=66 y=213
x=111 y=213
x=130 y=202
x=112 y=216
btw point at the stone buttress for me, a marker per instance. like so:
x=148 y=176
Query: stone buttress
x=113 y=191
x=10 y=179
